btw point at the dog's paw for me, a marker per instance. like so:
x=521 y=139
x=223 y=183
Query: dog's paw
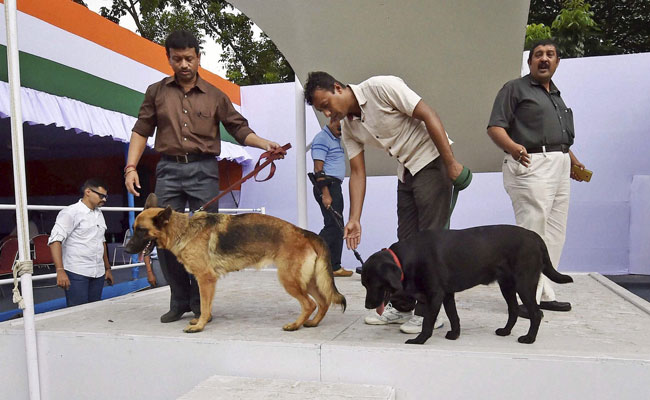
x=310 y=324
x=193 y=329
x=291 y=327
x=194 y=321
x=415 y=341
x=452 y=335
x=502 y=332
x=527 y=339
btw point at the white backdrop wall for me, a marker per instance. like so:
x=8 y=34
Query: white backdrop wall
x=610 y=98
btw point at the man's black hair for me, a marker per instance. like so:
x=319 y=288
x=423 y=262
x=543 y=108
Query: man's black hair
x=543 y=42
x=93 y=183
x=319 y=80
x=182 y=40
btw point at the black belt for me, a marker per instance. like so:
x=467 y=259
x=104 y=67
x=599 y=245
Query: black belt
x=187 y=158
x=564 y=148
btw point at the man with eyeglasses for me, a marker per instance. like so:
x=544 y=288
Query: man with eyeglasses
x=78 y=246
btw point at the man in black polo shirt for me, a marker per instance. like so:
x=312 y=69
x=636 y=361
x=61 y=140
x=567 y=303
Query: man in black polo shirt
x=186 y=110
x=531 y=123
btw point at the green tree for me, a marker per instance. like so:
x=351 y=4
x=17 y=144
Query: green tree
x=248 y=58
x=623 y=26
x=535 y=32
x=574 y=27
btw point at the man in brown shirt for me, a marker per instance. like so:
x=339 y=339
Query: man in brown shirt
x=186 y=110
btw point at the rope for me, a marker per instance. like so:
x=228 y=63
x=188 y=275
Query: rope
x=21 y=268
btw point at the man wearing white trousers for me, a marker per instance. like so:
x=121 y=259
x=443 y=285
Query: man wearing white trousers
x=531 y=123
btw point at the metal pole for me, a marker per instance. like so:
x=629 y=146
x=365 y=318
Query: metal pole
x=17 y=148
x=301 y=150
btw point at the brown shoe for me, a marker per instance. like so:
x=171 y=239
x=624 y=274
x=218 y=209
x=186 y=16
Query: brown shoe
x=343 y=272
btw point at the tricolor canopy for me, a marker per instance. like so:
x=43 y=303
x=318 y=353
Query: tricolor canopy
x=83 y=72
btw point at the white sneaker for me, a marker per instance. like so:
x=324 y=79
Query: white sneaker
x=389 y=316
x=414 y=325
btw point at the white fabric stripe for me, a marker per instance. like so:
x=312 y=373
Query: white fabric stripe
x=52 y=43
x=43 y=108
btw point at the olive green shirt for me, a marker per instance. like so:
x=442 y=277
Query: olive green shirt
x=532 y=116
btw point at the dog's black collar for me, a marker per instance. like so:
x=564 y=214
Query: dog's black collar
x=399 y=264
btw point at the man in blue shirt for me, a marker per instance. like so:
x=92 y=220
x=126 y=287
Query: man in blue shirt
x=329 y=165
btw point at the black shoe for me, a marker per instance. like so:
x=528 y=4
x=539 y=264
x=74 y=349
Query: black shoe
x=171 y=316
x=555 y=305
x=358 y=270
x=523 y=312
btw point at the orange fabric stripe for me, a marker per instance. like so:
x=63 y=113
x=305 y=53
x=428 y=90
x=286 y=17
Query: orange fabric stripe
x=80 y=21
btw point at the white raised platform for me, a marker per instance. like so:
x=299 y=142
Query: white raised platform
x=118 y=349
x=236 y=388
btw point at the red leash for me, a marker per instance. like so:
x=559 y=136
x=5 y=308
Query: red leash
x=270 y=156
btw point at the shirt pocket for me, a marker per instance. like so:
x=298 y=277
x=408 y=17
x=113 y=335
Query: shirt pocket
x=568 y=122
x=86 y=229
x=204 y=123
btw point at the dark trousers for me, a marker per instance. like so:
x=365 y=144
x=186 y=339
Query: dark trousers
x=331 y=232
x=423 y=202
x=83 y=289
x=178 y=185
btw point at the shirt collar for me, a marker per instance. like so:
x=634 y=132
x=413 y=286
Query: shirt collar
x=84 y=208
x=331 y=135
x=552 y=87
x=361 y=98
x=201 y=84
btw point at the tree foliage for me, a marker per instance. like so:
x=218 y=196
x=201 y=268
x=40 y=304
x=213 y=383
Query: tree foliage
x=619 y=27
x=249 y=58
x=574 y=27
x=536 y=32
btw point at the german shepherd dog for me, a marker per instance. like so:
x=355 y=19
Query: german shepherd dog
x=432 y=265
x=210 y=245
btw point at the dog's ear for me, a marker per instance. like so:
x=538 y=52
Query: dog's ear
x=160 y=220
x=152 y=201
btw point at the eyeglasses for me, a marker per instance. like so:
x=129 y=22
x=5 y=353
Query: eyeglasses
x=102 y=196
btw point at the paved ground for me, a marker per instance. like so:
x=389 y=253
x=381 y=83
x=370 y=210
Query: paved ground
x=605 y=321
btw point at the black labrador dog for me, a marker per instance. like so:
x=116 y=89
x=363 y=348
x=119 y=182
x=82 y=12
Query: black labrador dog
x=432 y=265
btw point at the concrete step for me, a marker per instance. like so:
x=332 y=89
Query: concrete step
x=220 y=387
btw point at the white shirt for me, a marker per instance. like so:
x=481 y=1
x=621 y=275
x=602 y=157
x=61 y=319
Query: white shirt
x=81 y=233
x=387 y=122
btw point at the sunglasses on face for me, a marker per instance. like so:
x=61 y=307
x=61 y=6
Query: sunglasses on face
x=102 y=196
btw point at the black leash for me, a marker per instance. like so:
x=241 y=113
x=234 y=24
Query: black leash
x=337 y=216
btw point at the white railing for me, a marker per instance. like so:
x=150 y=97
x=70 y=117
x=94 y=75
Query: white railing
x=260 y=210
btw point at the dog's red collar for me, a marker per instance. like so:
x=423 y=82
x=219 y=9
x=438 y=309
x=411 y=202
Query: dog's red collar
x=399 y=264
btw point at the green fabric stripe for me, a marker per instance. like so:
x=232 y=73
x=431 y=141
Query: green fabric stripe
x=225 y=136
x=51 y=77
x=57 y=79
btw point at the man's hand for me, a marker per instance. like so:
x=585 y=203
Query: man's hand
x=574 y=161
x=261 y=143
x=151 y=278
x=454 y=170
x=62 y=280
x=131 y=181
x=327 y=200
x=520 y=155
x=109 y=277
x=352 y=234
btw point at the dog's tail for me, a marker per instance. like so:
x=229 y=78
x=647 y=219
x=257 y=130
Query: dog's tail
x=548 y=270
x=325 y=276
